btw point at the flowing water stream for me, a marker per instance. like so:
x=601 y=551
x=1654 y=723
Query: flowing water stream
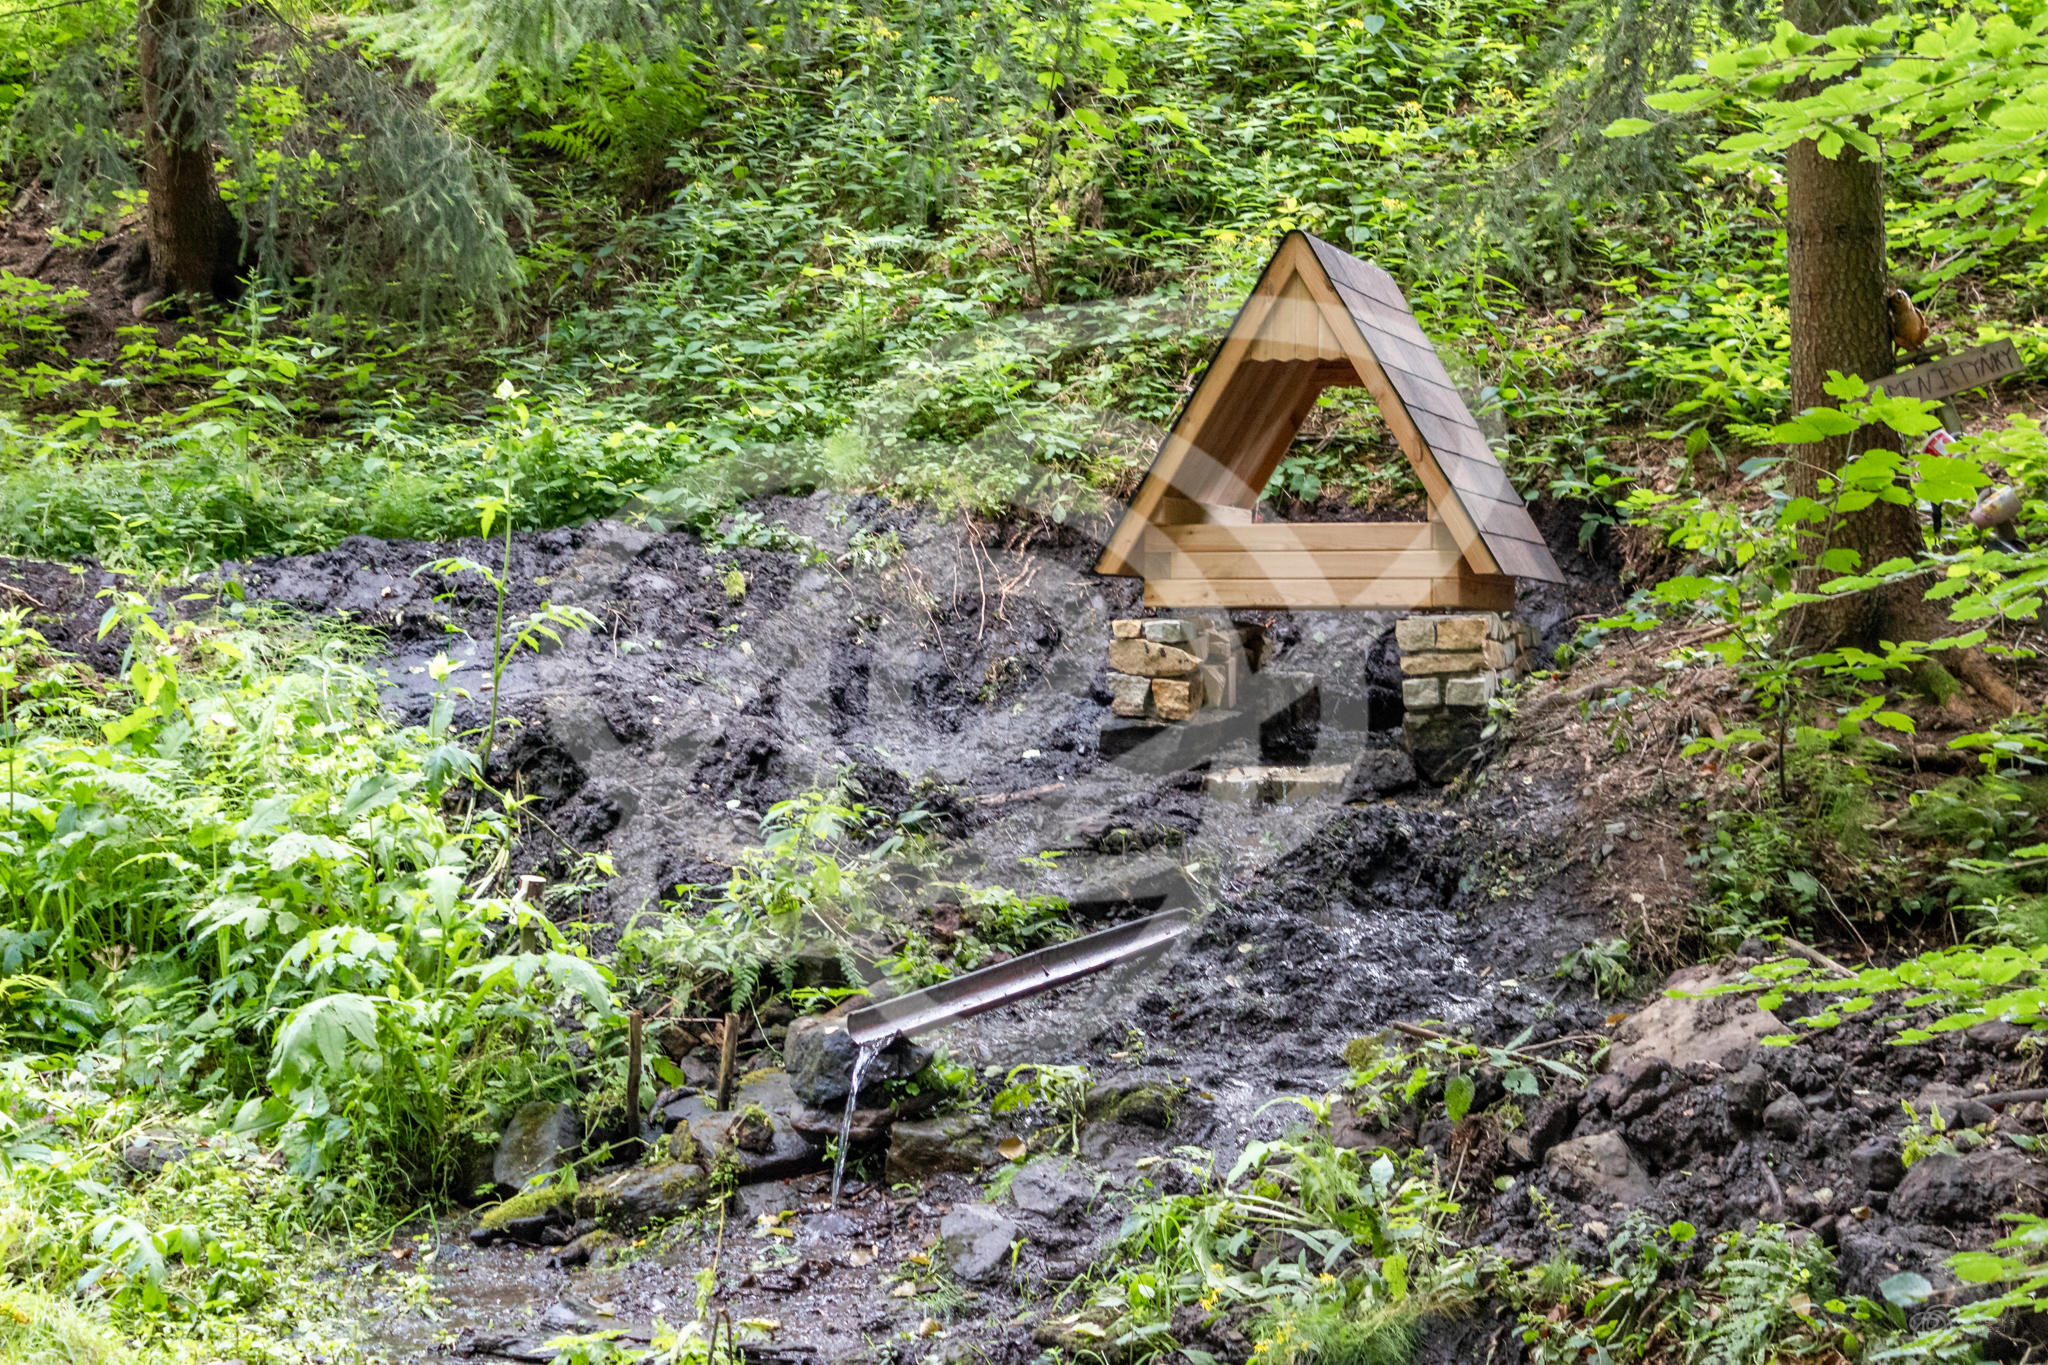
x=861 y=1059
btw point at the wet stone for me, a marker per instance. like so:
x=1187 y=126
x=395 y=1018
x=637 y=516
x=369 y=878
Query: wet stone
x=951 y=1142
x=751 y=1203
x=1376 y=773
x=820 y=1059
x=541 y=1138
x=1695 y=1027
x=1150 y=1104
x=1955 y=1190
x=1058 y=1188
x=1601 y=1168
x=1876 y=1165
x=977 y=1242
x=1748 y=1091
x=1786 y=1117
x=749 y=1141
x=870 y=1126
x=624 y=1201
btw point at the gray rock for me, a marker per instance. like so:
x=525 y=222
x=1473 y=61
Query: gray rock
x=752 y=1140
x=623 y=1201
x=1876 y=1165
x=1955 y=1190
x=1786 y=1117
x=820 y=1060
x=542 y=1137
x=1150 y=1104
x=1748 y=1091
x=1289 y=708
x=977 y=1242
x=1057 y=1187
x=1444 y=741
x=1377 y=773
x=951 y=1142
x=870 y=1126
x=1958 y=1107
x=1630 y=1077
x=615 y=538
x=1690 y=1028
x=1997 y=1035
x=752 y=1202
x=147 y=1156
x=1600 y=1168
x=1145 y=746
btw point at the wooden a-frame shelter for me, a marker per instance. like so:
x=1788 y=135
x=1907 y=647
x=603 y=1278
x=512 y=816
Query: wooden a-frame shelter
x=1321 y=318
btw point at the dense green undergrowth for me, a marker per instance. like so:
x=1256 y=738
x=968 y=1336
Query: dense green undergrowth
x=973 y=258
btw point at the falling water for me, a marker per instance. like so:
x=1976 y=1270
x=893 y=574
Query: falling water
x=860 y=1065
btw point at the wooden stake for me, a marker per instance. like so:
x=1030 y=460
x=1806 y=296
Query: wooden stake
x=727 y=1055
x=634 y=1023
x=527 y=898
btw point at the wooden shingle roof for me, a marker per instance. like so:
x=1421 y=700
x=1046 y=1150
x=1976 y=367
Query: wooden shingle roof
x=1320 y=317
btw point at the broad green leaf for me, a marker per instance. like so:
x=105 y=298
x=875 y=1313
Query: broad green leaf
x=320 y=1032
x=1906 y=1289
x=1815 y=424
x=1981 y=1267
x=1458 y=1091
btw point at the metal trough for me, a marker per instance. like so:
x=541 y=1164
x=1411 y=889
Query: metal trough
x=1023 y=976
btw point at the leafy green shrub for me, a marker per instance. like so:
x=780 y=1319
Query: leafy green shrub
x=229 y=853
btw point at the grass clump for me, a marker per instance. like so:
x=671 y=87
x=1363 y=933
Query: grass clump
x=37 y=1328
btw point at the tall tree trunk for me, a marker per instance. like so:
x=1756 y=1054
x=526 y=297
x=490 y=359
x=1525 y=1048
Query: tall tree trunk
x=1835 y=257
x=194 y=239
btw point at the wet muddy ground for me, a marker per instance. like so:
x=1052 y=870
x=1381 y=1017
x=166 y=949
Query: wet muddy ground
x=968 y=678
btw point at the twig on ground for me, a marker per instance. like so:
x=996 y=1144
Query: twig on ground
x=1770 y=1178
x=2006 y=1097
x=1815 y=956
x=1003 y=798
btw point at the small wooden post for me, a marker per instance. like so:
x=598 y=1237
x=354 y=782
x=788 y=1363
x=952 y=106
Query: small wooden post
x=727 y=1055
x=526 y=898
x=634 y=1022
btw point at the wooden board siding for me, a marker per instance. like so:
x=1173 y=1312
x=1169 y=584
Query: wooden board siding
x=1319 y=317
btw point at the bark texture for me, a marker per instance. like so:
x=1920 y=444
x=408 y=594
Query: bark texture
x=194 y=239
x=1835 y=257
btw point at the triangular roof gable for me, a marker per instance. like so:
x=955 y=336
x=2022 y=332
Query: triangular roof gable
x=1317 y=303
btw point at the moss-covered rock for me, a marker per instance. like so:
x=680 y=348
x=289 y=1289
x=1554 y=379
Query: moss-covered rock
x=554 y=1196
x=1148 y=1104
x=623 y=1201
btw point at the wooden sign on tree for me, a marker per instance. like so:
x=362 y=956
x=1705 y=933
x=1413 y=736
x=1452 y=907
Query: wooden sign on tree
x=1320 y=318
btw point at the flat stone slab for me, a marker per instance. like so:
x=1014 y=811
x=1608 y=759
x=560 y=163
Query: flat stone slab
x=1272 y=784
x=1692 y=1026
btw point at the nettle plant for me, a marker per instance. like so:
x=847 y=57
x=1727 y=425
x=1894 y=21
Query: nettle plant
x=1755 y=556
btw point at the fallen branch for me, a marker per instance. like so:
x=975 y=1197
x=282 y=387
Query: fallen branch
x=1815 y=956
x=2006 y=1097
x=1560 y=1042
x=23 y=596
x=1551 y=702
x=1426 y=1034
x=1002 y=798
